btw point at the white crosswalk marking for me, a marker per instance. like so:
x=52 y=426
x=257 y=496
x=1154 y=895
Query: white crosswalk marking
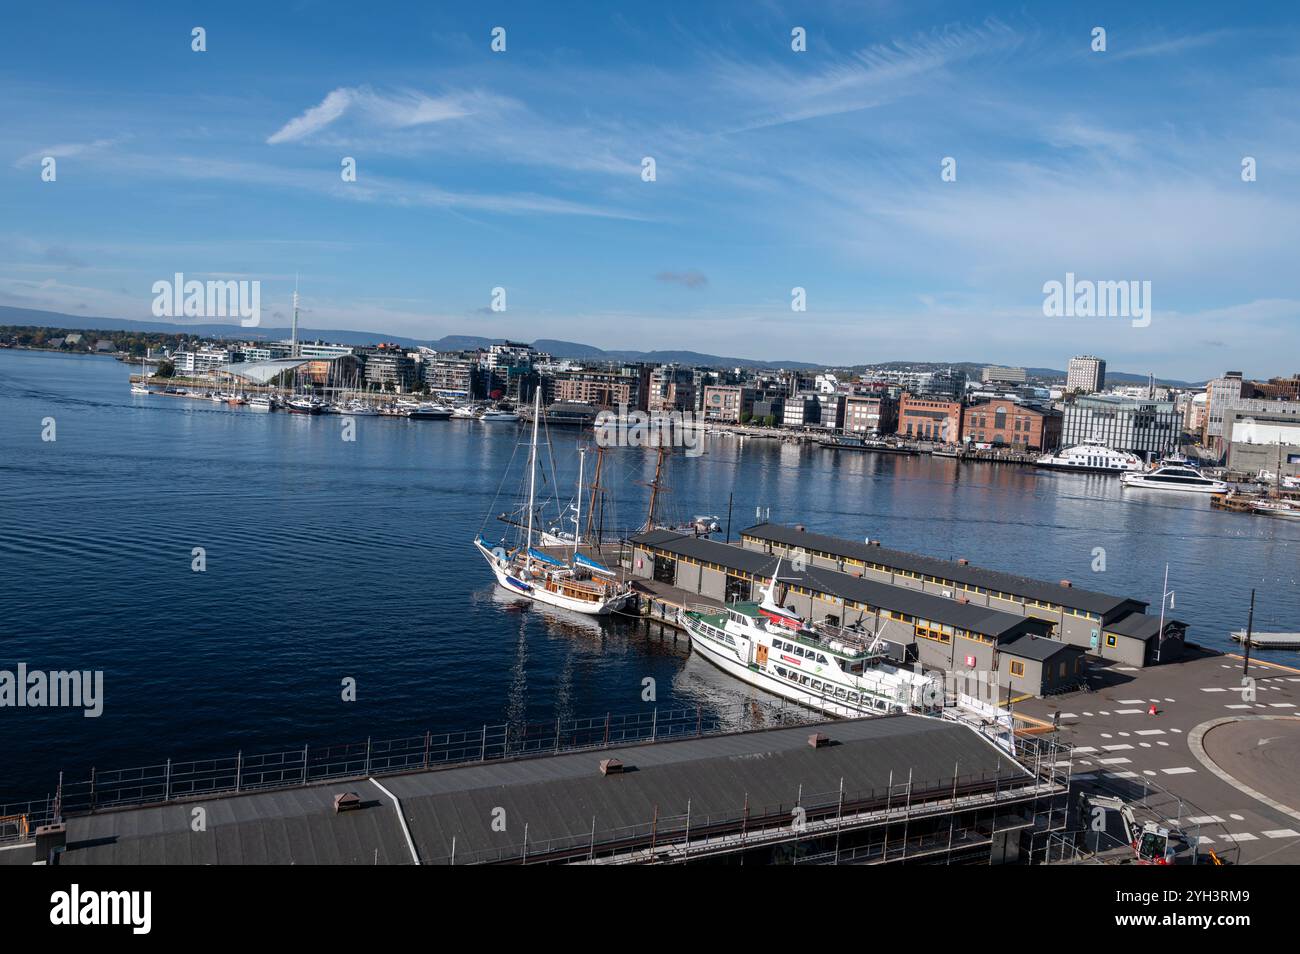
x=1150 y=731
x=1242 y=836
x=1117 y=748
x=1282 y=833
x=1181 y=770
x=1116 y=761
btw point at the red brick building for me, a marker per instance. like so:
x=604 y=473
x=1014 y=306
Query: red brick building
x=1006 y=423
x=929 y=419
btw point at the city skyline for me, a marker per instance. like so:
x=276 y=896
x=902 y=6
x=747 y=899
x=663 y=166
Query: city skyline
x=775 y=169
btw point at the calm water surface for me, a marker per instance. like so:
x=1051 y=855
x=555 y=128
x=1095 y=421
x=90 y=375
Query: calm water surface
x=329 y=559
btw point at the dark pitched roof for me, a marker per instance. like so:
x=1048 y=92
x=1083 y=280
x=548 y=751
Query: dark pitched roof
x=1037 y=648
x=1069 y=596
x=901 y=599
x=1140 y=626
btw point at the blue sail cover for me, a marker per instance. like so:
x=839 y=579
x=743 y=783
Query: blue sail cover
x=544 y=558
x=593 y=565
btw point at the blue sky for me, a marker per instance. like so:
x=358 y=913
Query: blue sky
x=775 y=169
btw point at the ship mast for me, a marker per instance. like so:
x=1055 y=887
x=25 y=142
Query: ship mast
x=293 y=342
x=532 y=463
x=594 y=487
x=577 y=517
x=654 y=489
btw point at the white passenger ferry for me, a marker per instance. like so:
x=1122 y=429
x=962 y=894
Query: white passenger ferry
x=1092 y=457
x=839 y=671
x=1175 y=473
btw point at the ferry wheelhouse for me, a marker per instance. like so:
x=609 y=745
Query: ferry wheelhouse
x=842 y=671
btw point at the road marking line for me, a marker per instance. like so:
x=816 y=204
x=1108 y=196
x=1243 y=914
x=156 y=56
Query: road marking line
x=1244 y=836
x=1282 y=833
x=1082 y=750
x=1214 y=689
x=1122 y=774
x=1205 y=819
x=1120 y=761
x=1150 y=731
x=1131 y=702
x=1181 y=770
x=1239 y=705
x=1282 y=705
x=1117 y=748
x=1128 y=711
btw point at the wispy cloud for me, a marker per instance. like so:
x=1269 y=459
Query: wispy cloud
x=400 y=110
x=691 y=279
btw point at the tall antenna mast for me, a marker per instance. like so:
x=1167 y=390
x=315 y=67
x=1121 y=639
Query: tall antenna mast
x=293 y=345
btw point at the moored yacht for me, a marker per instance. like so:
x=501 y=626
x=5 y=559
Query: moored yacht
x=1175 y=473
x=1092 y=457
x=578 y=583
x=836 y=670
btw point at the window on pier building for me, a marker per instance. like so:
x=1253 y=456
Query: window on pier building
x=1018 y=669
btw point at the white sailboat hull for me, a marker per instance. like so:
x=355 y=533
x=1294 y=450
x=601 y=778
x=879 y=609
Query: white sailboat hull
x=525 y=588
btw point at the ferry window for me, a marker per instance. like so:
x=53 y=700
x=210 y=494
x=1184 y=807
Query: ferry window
x=841 y=692
x=853 y=697
x=822 y=659
x=817 y=685
x=803 y=680
x=798 y=650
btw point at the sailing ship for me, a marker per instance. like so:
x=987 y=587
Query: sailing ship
x=842 y=671
x=141 y=386
x=579 y=583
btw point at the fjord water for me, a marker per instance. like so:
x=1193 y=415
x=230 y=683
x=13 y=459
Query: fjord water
x=329 y=559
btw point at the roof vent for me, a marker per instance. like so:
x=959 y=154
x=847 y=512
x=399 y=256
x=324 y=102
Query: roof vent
x=817 y=740
x=1066 y=583
x=346 y=802
x=963 y=562
x=799 y=527
x=611 y=767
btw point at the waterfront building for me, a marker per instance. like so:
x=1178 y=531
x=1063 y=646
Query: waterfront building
x=1113 y=627
x=318 y=349
x=802 y=410
x=1258 y=433
x=831 y=413
x=671 y=388
x=1005 y=423
x=1151 y=428
x=200 y=361
x=999 y=375
x=728 y=403
x=929 y=419
x=454 y=375
x=870 y=415
x=598 y=388
x=389 y=367
x=1223 y=393
x=1086 y=374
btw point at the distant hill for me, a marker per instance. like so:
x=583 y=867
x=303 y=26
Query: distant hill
x=561 y=349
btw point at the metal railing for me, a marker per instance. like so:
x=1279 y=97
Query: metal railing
x=229 y=775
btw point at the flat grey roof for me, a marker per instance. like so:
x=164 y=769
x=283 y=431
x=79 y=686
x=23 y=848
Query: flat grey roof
x=558 y=797
x=487 y=807
x=1070 y=596
x=901 y=599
